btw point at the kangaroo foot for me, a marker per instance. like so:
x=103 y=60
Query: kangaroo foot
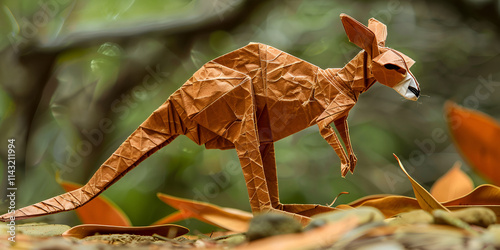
x=304 y=220
x=305 y=209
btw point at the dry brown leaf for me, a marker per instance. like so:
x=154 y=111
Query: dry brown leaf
x=364 y=199
x=343 y=207
x=227 y=218
x=455 y=183
x=168 y=230
x=174 y=217
x=485 y=194
x=426 y=201
x=319 y=237
x=390 y=205
x=100 y=210
x=476 y=135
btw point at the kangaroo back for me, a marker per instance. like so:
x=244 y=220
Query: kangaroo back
x=177 y=116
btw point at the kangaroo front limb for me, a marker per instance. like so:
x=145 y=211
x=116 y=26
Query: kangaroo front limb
x=333 y=112
x=343 y=129
x=269 y=161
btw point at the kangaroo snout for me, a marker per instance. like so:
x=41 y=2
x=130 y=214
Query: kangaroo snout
x=408 y=88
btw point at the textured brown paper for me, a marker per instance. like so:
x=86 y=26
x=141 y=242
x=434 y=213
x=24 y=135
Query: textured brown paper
x=247 y=100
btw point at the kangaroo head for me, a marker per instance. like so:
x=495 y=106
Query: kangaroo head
x=388 y=66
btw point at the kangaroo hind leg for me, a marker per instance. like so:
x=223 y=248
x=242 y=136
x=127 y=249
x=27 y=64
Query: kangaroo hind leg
x=268 y=157
x=229 y=112
x=269 y=161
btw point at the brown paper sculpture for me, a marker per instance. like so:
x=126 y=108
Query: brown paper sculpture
x=247 y=100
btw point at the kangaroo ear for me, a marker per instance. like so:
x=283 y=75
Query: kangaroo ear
x=360 y=35
x=379 y=29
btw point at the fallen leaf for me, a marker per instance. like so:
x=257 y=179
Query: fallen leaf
x=426 y=201
x=174 y=217
x=485 y=194
x=168 y=230
x=99 y=210
x=364 y=199
x=476 y=135
x=343 y=207
x=455 y=183
x=390 y=205
x=227 y=218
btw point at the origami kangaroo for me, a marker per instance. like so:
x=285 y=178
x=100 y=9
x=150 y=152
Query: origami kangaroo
x=247 y=100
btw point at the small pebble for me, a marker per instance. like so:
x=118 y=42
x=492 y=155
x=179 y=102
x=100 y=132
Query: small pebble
x=271 y=224
x=479 y=216
x=364 y=215
x=41 y=229
x=413 y=217
x=447 y=218
x=233 y=240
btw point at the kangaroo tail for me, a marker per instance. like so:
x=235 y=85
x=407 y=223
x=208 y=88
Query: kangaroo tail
x=161 y=128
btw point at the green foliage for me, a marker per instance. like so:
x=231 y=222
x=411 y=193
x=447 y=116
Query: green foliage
x=117 y=61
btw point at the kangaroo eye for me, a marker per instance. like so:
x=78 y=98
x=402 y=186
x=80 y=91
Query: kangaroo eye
x=392 y=66
x=395 y=67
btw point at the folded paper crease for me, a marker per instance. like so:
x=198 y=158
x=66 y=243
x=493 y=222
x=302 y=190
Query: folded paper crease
x=247 y=100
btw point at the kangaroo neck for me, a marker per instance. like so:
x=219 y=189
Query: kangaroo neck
x=356 y=74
